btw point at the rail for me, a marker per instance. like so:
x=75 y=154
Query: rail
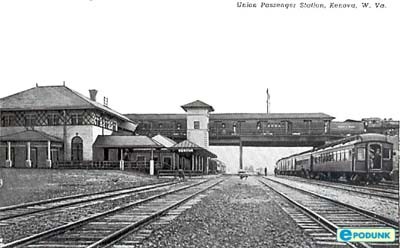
x=176 y=173
x=87 y=164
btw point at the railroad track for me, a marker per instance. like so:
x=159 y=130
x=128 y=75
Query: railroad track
x=320 y=216
x=106 y=228
x=388 y=185
x=373 y=191
x=10 y=213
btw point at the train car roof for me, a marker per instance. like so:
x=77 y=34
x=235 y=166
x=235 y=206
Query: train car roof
x=296 y=154
x=354 y=139
x=351 y=139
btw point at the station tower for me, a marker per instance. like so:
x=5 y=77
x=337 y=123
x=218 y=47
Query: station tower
x=198 y=114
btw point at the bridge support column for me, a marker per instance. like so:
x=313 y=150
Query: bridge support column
x=240 y=154
x=152 y=163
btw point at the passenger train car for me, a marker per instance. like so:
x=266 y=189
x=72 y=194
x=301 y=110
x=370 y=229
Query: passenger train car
x=359 y=158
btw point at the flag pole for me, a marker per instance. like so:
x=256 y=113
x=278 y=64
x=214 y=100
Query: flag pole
x=268 y=102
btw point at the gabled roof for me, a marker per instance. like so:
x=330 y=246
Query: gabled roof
x=53 y=98
x=30 y=135
x=186 y=144
x=125 y=142
x=197 y=105
x=165 y=141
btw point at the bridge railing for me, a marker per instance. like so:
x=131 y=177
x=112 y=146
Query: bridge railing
x=266 y=132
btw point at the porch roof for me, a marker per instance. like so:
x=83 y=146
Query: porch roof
x=109 y=141
x=30 y=135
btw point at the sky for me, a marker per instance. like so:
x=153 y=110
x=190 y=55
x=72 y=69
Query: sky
x=154 y=56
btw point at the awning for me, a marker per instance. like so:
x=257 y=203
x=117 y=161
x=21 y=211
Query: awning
x=128 y=126
x=109 y=141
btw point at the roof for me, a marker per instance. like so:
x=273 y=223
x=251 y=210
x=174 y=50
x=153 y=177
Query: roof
x=53 y=97
x=125 y=141
x=234 y=116
x=30 y=135
x=186 y=144
x=142 y=117
x=128 y=126
x=197 y=105
x=165 y=141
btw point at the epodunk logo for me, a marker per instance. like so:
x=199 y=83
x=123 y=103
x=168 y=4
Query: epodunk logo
x=365 y=235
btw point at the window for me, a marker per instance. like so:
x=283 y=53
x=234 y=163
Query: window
x=106 y=154
x=234 y=128
x=8 y=120
x=53 y=119
x=326 y=126
x=223 y=125
x=77 y=149
x=141 y=159
x=387 y=153
x=258 y=126
x=196 y=124
x=76 y=119
x=54 y=154
x=360 y=154
x=30 y=120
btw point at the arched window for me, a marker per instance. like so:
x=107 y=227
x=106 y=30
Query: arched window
x=77 y=149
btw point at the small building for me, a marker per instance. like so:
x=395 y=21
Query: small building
x=139 y=152
x=190 y=156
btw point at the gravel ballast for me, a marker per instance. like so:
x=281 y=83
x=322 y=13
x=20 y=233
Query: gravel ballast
x=386 y=208
x=238 y=213
x=39 y=222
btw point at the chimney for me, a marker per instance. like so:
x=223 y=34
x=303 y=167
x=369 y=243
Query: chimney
x=93 y=94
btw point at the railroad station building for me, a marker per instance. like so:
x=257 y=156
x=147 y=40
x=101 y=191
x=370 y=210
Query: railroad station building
x=47 y=124
x=57 y=127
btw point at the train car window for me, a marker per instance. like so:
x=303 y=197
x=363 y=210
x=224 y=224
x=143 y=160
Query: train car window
x=387 y=153
x=360 y=154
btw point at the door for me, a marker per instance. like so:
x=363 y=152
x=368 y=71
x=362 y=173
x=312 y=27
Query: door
x=34 y=162
x=374 y=156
